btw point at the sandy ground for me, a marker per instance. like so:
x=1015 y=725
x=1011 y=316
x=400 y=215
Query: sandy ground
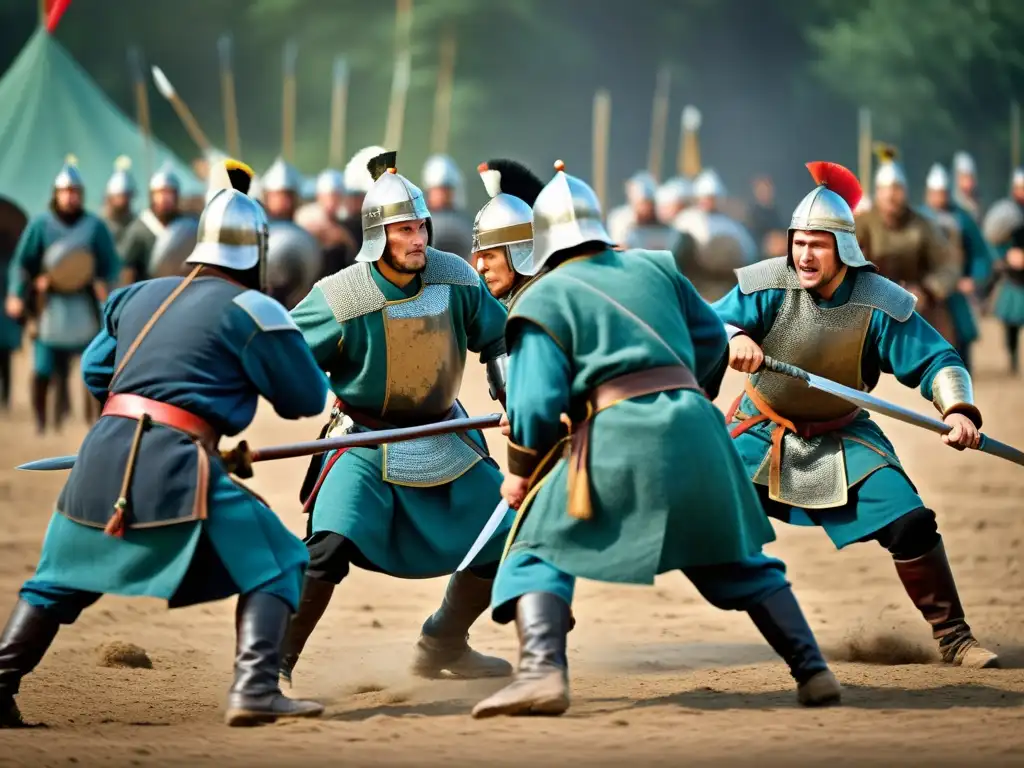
x=659 y=677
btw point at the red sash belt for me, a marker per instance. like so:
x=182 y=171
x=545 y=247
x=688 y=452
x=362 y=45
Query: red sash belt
x=135 y=407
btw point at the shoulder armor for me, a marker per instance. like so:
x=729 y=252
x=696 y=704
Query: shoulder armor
x=351 y=293
x=447 y=268
x=873 y=290
x=267 y=313
x=768 y=274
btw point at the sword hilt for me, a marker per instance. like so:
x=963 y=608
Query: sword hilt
x=783 y=369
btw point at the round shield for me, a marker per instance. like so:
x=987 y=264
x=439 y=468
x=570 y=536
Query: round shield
x=70 y=263
x=173 y=246
x=293 y=262
x=1001 y=220
x=12 y=223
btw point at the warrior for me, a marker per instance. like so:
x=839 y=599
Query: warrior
x=392 y=332
x=766 y=225
x=150 y=507
x=294 y=258
x=61 y=271
x=357 y=183
x=966 y=194
x=977 y=259
x=643 y=230
x=446 y=201
x=137 y=247
x=714 y=244
x=503 y=229
x=640 y=190
x=907 y=248
x=620 y=346
x=671 y=198
x=1004 y=229
x=118 y=198
x=322 y=219
x=813 y=458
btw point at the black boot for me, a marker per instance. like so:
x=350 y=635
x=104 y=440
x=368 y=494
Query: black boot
x=541 y=686
x=783 y=625
x=5 y=380
x=929 y=583
x=40 y=389
x=443 y=645
x=255 y=697
x=316 y=594
x=27 y=637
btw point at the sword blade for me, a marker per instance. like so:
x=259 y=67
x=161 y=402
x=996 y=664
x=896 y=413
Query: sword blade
x=52 y=464
x=877 y=405
x=485 y=535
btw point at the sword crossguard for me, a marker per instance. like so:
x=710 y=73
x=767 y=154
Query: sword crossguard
x=239 y=460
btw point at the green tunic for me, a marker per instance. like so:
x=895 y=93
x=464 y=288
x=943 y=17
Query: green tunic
x=668 y=489
x=413 y=509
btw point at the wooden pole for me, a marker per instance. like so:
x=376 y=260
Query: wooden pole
x=142 y=110
x=400 y=80
x=228 y=99
x=339 y=106
x=443 y=95
x=1014 y=135
x=602 y=128
x=659 y=122
x=690 y=125
x=864 y=150
x=291 y=52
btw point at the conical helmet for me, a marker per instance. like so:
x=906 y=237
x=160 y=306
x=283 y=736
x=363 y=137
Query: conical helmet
x=674 y=191
x=391 y=199
x=69 y=177
x=121 y=182
x=829 y=208
x=566 y=213
x=963 y=164
x=507 y=218
x=641 y=186
x=330 y=181
x=233 y=227
x=281 y=177
x=937 y=179
x=890 y=173
x=708 y=184
x=441 y=171
x=165 y=178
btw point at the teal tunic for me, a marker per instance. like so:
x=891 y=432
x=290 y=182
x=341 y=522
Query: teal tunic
x=667 y=486
x=10 y=330
x=913 y=351
x=68 y=321
x=215 y=351
x=413 y=509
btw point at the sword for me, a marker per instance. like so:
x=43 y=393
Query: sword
x=485 y=535
x=241 y=457
x=877 y=405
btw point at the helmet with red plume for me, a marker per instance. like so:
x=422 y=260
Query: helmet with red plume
x=829 y=208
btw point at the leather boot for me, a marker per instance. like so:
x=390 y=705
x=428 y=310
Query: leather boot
x=783 y=625
x=443 y=645
x=929 y=583
x=255 y=696
x=541 y=686
x=27 y=637
x=40 y=389
x=5 y=380
x=316 y=595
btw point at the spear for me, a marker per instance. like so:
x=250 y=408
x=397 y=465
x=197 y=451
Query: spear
x=864 y=152
x=227 y=95
x=400 y=79
x=184 y=114
x=689 y=151
x=239 y=458
x=659 y=122
x=141 y=108
x=1015 y=134
x=291 y=53
x=339 y=103
x=443 y=95
x=602 y=129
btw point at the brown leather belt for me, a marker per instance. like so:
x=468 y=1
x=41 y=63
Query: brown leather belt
x=631 y=385
x=136 y=407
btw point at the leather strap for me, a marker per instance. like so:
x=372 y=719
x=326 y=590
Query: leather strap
x=151 y=322
x=136 y=407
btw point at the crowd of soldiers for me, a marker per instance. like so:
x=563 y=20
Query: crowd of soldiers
x=599 y=346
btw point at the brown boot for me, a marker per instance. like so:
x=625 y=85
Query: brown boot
x=444 y=640
x=316 y=595
x=929 y=583
x=541 y=686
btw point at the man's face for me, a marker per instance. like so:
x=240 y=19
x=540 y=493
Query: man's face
x=406 y=250
x=891 y=199
x=163 y=201
x=966 y=183
x=280 y=204
x=1018 y=193
x=119 y=202
x=440 y=198
x=493 y=266
x=667 y=212
x=331 y=202
x=764 y=191
x=69 y=200
x=937 y=198
x=815 y=258
x=643 y=210
x=707 y=204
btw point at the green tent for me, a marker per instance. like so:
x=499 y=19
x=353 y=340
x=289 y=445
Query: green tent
x=50 y=108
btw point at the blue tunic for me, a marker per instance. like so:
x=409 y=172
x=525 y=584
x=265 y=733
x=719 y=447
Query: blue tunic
x=214 y=352
x=880 y=492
